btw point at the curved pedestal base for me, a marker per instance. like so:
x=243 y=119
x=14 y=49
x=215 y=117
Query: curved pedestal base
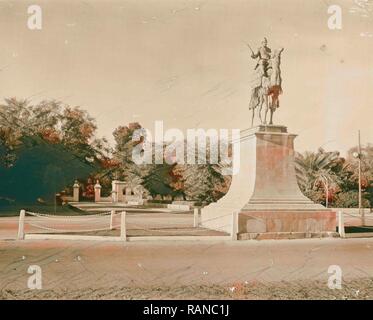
x=286 y=224
x=265 y=192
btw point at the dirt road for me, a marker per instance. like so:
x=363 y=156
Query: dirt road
x=244 y=269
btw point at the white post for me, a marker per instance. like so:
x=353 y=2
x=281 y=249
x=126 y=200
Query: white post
x=341 y=225
x=112 y=213
x=195 y=217
x=234 y=225
x=21 y=225
x=363 y=217
x=123 y=233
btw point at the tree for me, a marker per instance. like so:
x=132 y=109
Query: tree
x=199 y=182
x=44 y=148
x=160 y=180
x=348 y=199
x=318 y=170
x=352 y=183
x=127 y=170
x=204 y=182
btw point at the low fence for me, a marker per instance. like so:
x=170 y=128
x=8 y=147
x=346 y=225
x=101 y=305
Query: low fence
x=355 y=224
x=104 y=226
x=132 y=226
x=34 y=225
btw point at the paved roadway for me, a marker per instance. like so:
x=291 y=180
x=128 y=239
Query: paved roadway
x=72 y=264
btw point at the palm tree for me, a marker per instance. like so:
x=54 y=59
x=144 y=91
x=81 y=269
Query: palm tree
x=366 y=163
x=318 y=168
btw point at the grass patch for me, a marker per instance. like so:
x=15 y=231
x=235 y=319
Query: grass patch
x=14 y=209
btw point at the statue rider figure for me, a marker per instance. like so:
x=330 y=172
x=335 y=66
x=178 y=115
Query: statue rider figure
x=263 y=54
x=265 y=82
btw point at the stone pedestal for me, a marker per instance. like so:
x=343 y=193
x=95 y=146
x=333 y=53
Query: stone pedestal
x=266 y=194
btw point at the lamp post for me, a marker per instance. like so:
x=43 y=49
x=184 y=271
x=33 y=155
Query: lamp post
x=326 y=187
x=358 y=155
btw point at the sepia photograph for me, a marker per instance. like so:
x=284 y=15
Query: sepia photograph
x=209 y=151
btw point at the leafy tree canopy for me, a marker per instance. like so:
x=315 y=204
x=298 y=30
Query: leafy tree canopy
x=44 y=147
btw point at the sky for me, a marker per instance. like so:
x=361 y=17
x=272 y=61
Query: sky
x=186 y=63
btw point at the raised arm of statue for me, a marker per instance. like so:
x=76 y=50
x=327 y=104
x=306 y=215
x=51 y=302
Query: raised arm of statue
x=255 y=55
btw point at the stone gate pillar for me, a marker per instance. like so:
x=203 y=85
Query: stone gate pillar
x=97 y=191
x=76 y=188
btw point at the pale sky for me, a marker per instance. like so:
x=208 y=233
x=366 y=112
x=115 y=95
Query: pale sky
x=186 y=63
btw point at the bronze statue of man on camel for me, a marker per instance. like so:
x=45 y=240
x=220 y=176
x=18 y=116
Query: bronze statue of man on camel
x=266 y=82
